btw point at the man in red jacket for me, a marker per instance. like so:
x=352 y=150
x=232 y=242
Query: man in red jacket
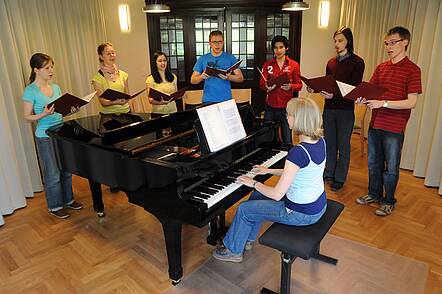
x=277 y=97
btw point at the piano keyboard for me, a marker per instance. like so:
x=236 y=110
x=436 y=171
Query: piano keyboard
x=214 y=190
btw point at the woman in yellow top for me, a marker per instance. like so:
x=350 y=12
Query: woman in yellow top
x=110 y=77
x=161 y=79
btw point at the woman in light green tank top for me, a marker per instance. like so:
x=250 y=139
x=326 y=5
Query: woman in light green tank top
x=161 y=79
x=110 y=77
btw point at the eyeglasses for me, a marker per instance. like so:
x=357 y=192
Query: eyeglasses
x=217 y=42
x=392 y=42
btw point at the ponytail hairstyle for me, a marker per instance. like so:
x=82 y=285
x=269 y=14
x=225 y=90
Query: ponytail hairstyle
x=100 y=50
x=154 y=69
x=38 y=60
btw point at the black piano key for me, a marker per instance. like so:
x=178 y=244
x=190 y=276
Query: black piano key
x=205 y=190
x=194 y=194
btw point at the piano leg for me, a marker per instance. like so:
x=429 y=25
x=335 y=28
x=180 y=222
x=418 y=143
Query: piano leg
x=172 y=236
x=217 y=230
x=97 y=198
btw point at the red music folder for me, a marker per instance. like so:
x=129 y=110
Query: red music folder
x=326 y=83
x=67 y=103
x=113 y=95
x=158 y=95
x=279 y=80
x=364 y=89
x=211 y=71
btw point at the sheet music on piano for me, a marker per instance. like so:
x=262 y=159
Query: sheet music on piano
x=221 y=124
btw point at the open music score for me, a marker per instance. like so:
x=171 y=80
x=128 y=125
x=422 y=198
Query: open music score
x=113 y=95
x=158 y=95
x=221 y=124
x=211 y=71
x=68 y=103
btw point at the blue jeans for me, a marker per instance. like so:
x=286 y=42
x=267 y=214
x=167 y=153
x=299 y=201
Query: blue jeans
x=384 y=157
x=57 y=183
x=338 y=127
x=279 y=115
x=250 y=215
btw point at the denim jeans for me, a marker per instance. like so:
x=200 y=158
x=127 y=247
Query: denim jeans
x=338 y=127
x=279 y=115
x=58 y=184
x=384 y=157
x=250 y=215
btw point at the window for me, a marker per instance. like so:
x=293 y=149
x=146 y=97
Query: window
x=172 y=43
x=277 y=24
x=203 y=26
x=243 y=42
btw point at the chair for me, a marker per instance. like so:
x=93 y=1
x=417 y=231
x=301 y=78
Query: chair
x=242 y=96
x=192 y=98
x=359 y=126
x=302 y=241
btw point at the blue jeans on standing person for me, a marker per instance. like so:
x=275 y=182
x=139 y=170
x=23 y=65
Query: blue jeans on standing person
x=384 y=157
x=338 y=127
x=257 y=209
x=57 y=183
x=279 y=115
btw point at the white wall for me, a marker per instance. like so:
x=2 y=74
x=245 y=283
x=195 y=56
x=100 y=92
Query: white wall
x=317 y=45
x=132 y=47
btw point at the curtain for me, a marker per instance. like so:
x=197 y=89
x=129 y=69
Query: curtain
x=370 y=20
x=68 y=31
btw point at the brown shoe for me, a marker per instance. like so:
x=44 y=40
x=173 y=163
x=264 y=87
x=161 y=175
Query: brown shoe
x=384 y=210
x=74 y=205
x=61 y=213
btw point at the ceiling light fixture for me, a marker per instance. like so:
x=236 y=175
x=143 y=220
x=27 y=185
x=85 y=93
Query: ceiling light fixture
x=295 y=6
x=156 y=7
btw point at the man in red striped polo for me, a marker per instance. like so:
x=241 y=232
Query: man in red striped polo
x=390 y=114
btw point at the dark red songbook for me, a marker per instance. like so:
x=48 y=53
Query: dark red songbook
x=211 y=71
x=158 y=95
x=319 y=84
x=68 y=103
x=113 y=95
x=364 y=89
x=279 y=80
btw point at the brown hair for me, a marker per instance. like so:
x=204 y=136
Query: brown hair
x=38 y=60
x=215 y=33
x=307 y=119
x=100 y=49
x=403 y=33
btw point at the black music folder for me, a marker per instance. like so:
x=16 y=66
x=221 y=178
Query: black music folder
x=364 y=89
x=326 y=83
x=113 y=95
x=68 y=103
x=211 y=71
x=158 y=95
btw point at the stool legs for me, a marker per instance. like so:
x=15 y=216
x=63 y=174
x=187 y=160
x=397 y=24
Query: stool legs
x=286 y=273
x=324 y=258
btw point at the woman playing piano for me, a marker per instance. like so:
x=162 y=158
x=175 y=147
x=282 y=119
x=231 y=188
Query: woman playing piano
x=36 y=97
x=110 y=77
x=298 y=198
x=163 y=80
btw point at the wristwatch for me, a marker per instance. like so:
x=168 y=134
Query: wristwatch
x=385 y=104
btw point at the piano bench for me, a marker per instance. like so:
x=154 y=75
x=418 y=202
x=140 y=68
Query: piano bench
x=300 y=241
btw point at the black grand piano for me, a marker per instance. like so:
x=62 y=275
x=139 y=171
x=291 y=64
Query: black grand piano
x=163 y=166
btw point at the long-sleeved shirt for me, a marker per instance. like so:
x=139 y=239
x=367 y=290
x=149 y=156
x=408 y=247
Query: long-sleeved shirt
x=278 y=97
x=350 y=71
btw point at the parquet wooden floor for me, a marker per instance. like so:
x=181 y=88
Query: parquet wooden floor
x=125 y=253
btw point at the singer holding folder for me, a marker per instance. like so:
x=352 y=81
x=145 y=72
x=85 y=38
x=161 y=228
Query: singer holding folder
x=163 y=80
x=36 y=97
x=216 y=89
x=110 y=77
x=278 y=96
x=338 y=115
x=390 y=114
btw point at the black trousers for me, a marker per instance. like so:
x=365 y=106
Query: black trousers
x=338 y=127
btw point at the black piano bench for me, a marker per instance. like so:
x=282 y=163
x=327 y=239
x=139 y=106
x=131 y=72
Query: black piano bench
x=302 y=241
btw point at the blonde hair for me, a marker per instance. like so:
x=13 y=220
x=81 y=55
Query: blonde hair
x=307 y=119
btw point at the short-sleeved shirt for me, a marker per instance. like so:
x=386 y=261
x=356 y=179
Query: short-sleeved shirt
x=400 y=79
x=215 y=89
x=33 y=95
x=118 y=85
x=165 y=87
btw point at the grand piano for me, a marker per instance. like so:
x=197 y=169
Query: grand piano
x=162 y=166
